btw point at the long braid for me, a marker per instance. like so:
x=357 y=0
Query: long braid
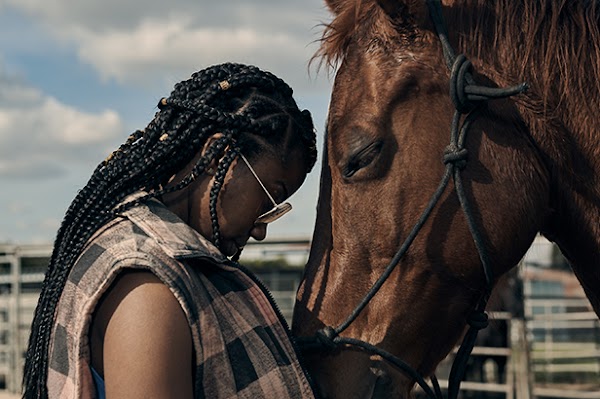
x=216 y=188
x=212 y=100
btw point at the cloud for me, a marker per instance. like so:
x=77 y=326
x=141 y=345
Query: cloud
x=41 y=137
x=51 y=224
x=17 y=207
x=19 y=169
x=175 y=46
x=68 y=15
x=52 y=135
x=139 y=42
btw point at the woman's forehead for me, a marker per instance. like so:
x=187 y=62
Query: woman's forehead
x=289 y=170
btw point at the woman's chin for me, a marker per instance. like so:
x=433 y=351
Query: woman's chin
x=229 y=248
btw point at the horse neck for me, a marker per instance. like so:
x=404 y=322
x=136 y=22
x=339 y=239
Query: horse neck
x=574 y=159
x=561 y=106
x=566 y=131
x=559 y=57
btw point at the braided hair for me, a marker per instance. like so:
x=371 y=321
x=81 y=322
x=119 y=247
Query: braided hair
x=253 y=110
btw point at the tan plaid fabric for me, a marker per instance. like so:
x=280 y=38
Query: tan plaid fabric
x=242 y=349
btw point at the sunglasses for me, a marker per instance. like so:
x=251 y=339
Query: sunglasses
x=278 y=209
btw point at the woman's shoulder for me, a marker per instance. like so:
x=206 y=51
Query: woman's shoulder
x=139 y=297
x=143 y=330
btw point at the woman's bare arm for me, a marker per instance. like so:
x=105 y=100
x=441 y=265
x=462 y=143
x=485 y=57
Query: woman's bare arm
x=146 y=345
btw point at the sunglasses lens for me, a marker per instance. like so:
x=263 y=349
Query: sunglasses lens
x=274 y=213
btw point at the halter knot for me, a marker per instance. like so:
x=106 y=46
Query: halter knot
x=466 y=94
x=456 y=156
x=460 y=78
x=478 y=320
x=326 y=336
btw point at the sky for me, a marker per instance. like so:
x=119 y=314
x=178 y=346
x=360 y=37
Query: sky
x=78 y=76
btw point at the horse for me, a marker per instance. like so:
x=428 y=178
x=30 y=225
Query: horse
x=431 y=187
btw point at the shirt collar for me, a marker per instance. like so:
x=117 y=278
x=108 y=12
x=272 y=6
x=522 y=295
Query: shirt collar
x=173 y=235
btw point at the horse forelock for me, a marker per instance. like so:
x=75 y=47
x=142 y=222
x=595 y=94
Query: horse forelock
x=555 y=43
x=358 y=19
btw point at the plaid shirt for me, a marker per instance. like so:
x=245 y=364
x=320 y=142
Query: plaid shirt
x=241 y=348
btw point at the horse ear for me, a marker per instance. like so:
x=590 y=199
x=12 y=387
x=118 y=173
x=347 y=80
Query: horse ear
x=393 y=8
x=334 y=5
x=396 y=9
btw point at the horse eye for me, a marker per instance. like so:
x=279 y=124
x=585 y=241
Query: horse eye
x=362 y=159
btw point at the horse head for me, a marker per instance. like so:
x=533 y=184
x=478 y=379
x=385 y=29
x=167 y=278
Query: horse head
x=388 y=131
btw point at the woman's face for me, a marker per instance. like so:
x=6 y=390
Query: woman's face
x=241 y=199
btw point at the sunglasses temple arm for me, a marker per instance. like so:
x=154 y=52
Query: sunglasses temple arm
x=257 y=179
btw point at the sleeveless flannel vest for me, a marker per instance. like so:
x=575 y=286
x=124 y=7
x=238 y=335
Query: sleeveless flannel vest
x=241 y=347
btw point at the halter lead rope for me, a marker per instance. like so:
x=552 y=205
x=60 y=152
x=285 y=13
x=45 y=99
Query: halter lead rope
x=469 y=99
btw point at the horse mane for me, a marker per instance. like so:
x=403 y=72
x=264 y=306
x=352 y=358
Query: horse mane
x=561 y=53
x=358 y=19
x=554 y=44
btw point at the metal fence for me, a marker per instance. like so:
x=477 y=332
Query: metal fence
x=565 y=348
x=553 y=350
x=549 y=355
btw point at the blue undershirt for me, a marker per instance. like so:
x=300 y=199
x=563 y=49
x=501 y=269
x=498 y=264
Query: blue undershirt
x=99 y=382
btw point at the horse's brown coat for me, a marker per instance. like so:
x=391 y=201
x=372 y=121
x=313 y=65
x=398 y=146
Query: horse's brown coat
x=534 y=164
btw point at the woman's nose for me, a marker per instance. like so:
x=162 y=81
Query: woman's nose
x=259 y=231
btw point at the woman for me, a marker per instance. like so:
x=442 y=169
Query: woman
x=140 y=298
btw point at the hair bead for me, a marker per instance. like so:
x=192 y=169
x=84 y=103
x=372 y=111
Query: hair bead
x=224 y=85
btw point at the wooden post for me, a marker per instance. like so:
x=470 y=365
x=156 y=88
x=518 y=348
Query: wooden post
x=521 y=364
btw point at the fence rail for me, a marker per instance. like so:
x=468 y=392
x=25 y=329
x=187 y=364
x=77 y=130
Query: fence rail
x=553 y=350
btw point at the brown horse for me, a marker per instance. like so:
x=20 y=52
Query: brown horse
x=533 y=167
